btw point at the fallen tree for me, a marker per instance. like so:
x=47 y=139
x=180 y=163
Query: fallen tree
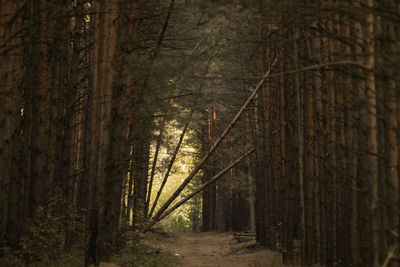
x=204 y=185
x=157 y=216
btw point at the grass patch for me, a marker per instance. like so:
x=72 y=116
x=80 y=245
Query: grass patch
x=143 y=256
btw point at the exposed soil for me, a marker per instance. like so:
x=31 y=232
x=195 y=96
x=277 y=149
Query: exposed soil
x=213 y=249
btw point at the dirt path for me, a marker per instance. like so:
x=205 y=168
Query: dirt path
x=213 y=249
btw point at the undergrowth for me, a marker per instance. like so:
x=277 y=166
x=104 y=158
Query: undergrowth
x=143 y=256
x=55 y=237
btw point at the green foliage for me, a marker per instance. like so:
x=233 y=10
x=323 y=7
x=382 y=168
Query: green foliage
x=181 y=219
x=142 y=256
x=177 y=224
x=54 y=235
x=10 y=257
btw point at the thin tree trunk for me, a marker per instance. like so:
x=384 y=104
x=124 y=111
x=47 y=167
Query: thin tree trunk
x=316 y=140
x=171 y=163
x=39 y=174
x=11 y=72
x=73 y=137
x=372 y=135
x=300 y=135
x=250 y=178
x=309 y=178
x=393 y=110
x=92 y=135
x=212 y=149
x=204 y=185
x=140 y=166
x=154 y=165
x=356 y=219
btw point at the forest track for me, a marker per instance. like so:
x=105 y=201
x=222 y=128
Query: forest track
x=212 y=249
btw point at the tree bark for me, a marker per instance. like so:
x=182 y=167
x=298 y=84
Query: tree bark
x=10 y=123
x=372 y=135
x=300 y=136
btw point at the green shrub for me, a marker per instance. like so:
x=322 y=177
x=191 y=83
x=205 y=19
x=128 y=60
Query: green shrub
x=54 y=235
x=142 y=256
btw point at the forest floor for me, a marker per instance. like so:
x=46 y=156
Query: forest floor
x=211 y=249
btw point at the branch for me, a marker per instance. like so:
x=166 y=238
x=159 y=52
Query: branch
x=212 y=149
x=294 y=71
x=198 y=190
x=389 y=256
x=160 y=40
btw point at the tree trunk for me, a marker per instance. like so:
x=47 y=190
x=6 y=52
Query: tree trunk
x=154 y=165
x=393 y=111
x=300 y=136
x=372 y=135
x=10 y=124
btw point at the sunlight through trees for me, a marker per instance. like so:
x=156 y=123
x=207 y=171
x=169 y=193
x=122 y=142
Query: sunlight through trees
x=273 y=119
